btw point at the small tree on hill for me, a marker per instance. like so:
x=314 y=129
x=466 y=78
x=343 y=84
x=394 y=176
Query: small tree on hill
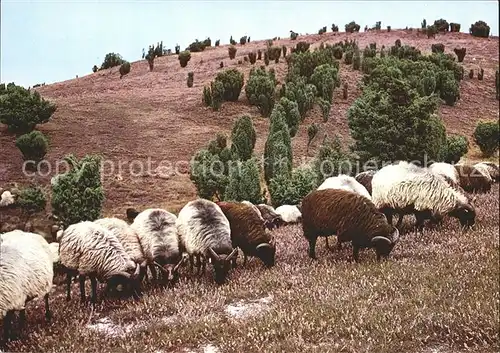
x=78 y=195
x=278 y=147
x=112 y=60
x=33 y=146
x=291 y=190
x=124 y=69
x=480 y=29
x=21 y=109
x=243 y=138
x=244 y=182
x=486 y=135
x=31 y=200
x=456 y=146
x=184 y=58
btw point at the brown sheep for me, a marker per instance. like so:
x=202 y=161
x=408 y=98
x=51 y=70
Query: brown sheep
x=365 y=179
x=248 y=232
x=472 y=179
x=351 y=217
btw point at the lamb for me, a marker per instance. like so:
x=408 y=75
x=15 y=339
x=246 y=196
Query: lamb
x=406 y=190
x=272 y=219
x=88 y=249
x=492 y=168
x=157 y=233
x=26 y=272
x=351 y=217
x=249 y=233
x=345 y=182
x=7 y=199
x=205 y=232
x=473 y=179
x=289 y=213
x=128 y=238
x=365 y=179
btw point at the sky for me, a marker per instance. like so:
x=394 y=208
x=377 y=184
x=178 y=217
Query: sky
x=52 y=41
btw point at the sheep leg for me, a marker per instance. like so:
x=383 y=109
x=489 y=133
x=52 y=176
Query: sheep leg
x=355 y=252
x=22 y=318
x=191 y=263
x=312 y=247
x=82 y=288
x=154 y=274
x=7 y=325
x=203 y=265
x=420 y=221
x=68 y=286
x=93 y=282
x=48 y=314
x=198 y=264
x=400 y=220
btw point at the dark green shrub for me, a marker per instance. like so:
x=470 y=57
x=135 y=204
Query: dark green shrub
x=486 y=135
x=207 y=96
x=460 y=53
x=291 y=190
x=259 y=54
x=266 y=58
x=244 y=182
x=198 y=46
x=480 y=29
x=78 y=195
x=278 y=148
x=497 y=83
x=338 y=52
x=312 y=131
x=348 y=57
x=322 y=30
x=184 y=58
x=190 y=79
x=260 y=90
x=471 y=73
x=284 y=51
x=31 y=200
x=367 y=65
x=274 y=52
x=232 y=52
x=454 y=27
x=217 y=94
x=217 y=145
x=33 y=146
x=301 y=92
x=437 y=48
x=252 y=57
x=21 y=109
x=95 y=68
x=243 y=138
x=302 y=47
x=232 y=81
x=232 y=41
x=325 y=107
x=427 y=83
x=325 y=78
x=431 y=31
x=344 y=90
x=177 y=49
x=217 y=42
x=442 y=25
x=456 y=146
x=124 y=69
x=388 y=28
x=382 y=52
x=356 y=60
x=369 y=52
x=208 y=174
x=335 y=28
x=243 y=40
x=293 y=35
x=331 y=160
x=290 y=111
x=245 y=58
x=480 y=74
x=352 y=27
x=112 y=60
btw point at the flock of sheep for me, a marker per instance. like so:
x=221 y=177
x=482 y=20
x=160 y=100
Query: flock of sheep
x=357 y=209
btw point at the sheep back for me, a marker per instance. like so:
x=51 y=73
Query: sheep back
x=473 y=179
x=345 y=182
x=493 y=169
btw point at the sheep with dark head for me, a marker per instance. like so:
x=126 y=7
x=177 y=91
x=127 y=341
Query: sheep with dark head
x=271 y=218
x=351 y=217
x=156 y=230
x=406 y=189
x=473 y=179
x=365 y=179
x=204 y=232
x=248 y=232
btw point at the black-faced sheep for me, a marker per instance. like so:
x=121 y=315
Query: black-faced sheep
x=271 y=218
x=26 y=272
x=493 y=170
x=365 y=179
x=414 y=190
x=345 y=182
x=249 y=233
x=473 y=179
x=351 y=217
x=204 y=232
x=157 y=232
x=88 y=249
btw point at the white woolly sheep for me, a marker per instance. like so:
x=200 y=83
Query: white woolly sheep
x=493 y=170
x=289 y=213
x=157 y=232
x=345 y=182
x=410 y=189
x=88 y=249
x=204 y=232
x=26 y=272
x=474 y=179
x=7 y=199
x=445 y=170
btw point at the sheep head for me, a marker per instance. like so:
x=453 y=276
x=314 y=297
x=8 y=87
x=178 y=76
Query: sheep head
x=129 y=282
x=466 y=214
x=384 y=244
x=222 y=264
x=171 y=271
x=266 y=252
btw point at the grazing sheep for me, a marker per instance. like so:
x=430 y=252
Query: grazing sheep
x=157 y=232
x=272 y=219
x=415 y=190
x=88 y=249
x=26 y=272
x=7 y=199
x=345 y=182
x=473 y=179
x=492 y=168
x=204 y=232
x=351 y=217
x=248 y=232
x=445 y=170
x=289 y=213
x=365 y=179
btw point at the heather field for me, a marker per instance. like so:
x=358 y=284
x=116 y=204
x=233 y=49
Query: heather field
x=439 y=292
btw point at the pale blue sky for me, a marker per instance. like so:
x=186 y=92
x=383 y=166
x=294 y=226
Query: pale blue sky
x=51 y=41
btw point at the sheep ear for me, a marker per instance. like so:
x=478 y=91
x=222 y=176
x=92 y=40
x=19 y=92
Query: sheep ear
x=231 y=255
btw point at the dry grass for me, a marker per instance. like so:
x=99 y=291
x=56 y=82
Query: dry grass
x=438 y=293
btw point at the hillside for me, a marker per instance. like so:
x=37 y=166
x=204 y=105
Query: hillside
x=155 y=116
